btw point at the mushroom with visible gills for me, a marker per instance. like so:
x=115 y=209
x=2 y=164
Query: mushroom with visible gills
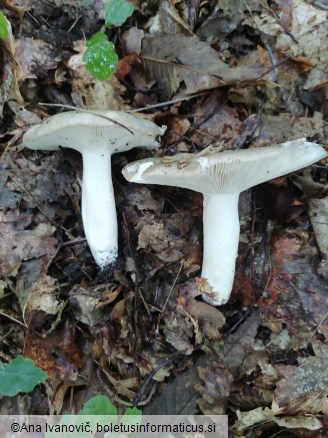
x=221 y=176
x=97 y=135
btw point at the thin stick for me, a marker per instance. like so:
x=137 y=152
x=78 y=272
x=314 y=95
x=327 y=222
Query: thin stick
x=13 y=319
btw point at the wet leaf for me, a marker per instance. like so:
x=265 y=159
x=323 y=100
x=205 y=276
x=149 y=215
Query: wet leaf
x=100 y=57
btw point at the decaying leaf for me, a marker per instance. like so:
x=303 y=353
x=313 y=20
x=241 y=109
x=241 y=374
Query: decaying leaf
x=166 y=238
x=285 y=127
x=318 y=211
x=259 y=415
x=57 y=352
x=88 y=302
x=171 y=60
x=294 y=293
x=305 y=388
x=216 y=387
x=179 y=332
x=237 y=344
x=35 y=57
x=19 y=244
x=305 y=39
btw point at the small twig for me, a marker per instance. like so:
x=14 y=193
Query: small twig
x=278 y=64
x=168 y=102
x=172 y=287
x=136 y=401
x=14 y=320
x=74 y=24
x=318 y=326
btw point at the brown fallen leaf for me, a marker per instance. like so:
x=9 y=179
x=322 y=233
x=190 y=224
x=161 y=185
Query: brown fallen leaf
x=87 y=303
x=260 y=416
x=35 y=57
x=237 y=344
x=305 y=389
x=215 y=388
x=171 y=60
x=285 y=127
x=295 y=293
x=304 y=39
x=18 y=244
x=318 y=212
x=132 y=39
x=208 y=318
x=220 y=125
x=57 y=352
x=166 y=238
x=278 y=202
x=179 y=332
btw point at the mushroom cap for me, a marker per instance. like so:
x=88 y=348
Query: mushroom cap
x=225 y=172
x=87 y=130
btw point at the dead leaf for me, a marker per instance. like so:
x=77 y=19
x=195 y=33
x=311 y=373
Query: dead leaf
x=295 y=294
x=178 y=332
x=57 y=352
x=306 y=41
x=285 y=127
x=305 y=389
x=237 y=344
x=259 y=415
x=132 y=38
x=166 y=238
x=171 y=60
x=88 y=303
x=18 y=244
x=35 y=57
x=219 y=126
x=278 y=202
x=215 y=388
x=318 y=212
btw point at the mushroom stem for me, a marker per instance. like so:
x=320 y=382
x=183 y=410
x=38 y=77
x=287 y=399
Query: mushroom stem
x=221 y=238
x=98 y=206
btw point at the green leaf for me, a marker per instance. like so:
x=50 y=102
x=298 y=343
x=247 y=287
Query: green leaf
x=100 y=57
x=98 y=405
x=19 y=375
x=3 y=27
x=117 y=11
x=132 y=411
x=131 y=416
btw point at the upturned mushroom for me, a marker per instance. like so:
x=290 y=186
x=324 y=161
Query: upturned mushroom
x=221 y=176
x=97 y=135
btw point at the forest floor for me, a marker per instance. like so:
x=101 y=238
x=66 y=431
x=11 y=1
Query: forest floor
x=226 y=74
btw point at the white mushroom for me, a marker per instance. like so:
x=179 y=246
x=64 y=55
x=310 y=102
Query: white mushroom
x=221 y=176
x=97 y=135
